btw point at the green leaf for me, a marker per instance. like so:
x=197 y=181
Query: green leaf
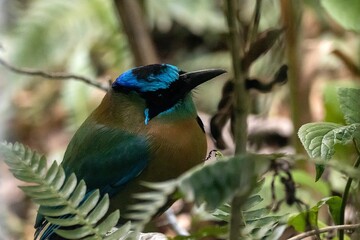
x=151 y=202
x=53 y=212
x=259 y=222
x=349 y=99
x=109 y=222
x=334 y=204
x=77 y=233
x=123 y=231
x=301 y=220
x=100 y=210
x=252 y=201
x=345 y=13
x=312 y=135
x=221 y=214
x=78 y=194
x=209 y=184
x=90 y=202
x=277 y=232
x=265 y=220
x=320 y=138
x=256 y=214
x=49 y=202
x=51 y=173
x=69 y=186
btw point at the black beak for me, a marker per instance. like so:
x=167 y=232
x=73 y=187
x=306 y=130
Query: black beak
x=194 y=79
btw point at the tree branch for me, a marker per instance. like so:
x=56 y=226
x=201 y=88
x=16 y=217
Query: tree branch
x=56 y=75
x=325 y=229
x=137 y=31
x=291 y=12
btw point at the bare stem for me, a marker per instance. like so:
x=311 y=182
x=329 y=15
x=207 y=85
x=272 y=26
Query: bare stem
x=57 y=75
x=291 y=17
x=240 y=108
x=346 y=195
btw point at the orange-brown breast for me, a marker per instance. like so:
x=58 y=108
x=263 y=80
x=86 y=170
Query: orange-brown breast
x=175 y=148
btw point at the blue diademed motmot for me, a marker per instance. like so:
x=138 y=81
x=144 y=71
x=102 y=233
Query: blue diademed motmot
x=145 y=129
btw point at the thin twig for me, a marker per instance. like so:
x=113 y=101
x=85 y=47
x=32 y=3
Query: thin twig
x=256 y=21
x=57 y=75
x=325 y=229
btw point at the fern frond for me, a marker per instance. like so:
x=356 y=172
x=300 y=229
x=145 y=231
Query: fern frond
x=64 y=202
x=213 y=184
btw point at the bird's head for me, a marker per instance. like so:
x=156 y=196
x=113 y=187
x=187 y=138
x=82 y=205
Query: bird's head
x=162 y=86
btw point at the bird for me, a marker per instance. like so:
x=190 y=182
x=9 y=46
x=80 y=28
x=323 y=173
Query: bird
x=146 y=129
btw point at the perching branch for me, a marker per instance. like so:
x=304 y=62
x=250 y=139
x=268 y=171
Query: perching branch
x=325 y=229
x=56 y=75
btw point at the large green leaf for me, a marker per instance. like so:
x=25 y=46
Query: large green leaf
x=345 y=12
x=320 y=138
x=349 y=99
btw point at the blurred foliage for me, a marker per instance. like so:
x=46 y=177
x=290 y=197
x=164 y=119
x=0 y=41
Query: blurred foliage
x=61 y=33
x=80 y=37
x=337 y=8
x=208 y=18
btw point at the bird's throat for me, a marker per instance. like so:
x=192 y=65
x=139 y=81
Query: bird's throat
x=183 y=109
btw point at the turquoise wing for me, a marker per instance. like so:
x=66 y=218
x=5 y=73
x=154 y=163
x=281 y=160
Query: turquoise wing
x=106 y=158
